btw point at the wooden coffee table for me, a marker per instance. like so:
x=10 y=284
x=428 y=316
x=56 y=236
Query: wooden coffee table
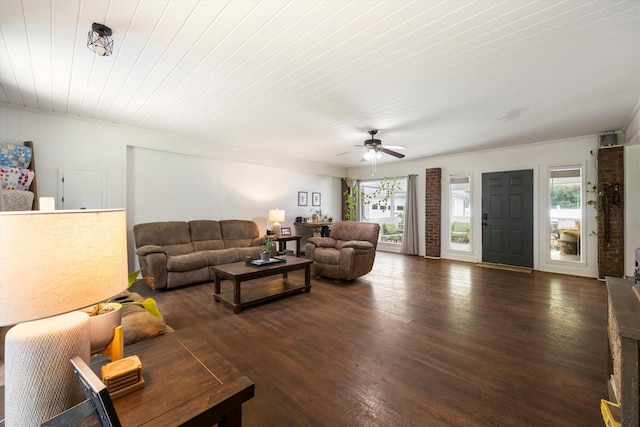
x=255 y=293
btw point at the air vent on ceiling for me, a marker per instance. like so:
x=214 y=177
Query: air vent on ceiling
x=610 y=139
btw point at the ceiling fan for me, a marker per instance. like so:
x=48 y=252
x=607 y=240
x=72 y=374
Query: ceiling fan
x=373 y=148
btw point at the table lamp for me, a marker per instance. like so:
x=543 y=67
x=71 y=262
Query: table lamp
x=51 y=263
x=276 y=215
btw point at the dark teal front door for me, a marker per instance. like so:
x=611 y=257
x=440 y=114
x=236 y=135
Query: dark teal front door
x=507 y=218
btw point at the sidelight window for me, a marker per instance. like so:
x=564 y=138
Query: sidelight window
x=565 y=202
x=460 y=212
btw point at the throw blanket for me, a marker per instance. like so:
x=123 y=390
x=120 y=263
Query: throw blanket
x=12 y=155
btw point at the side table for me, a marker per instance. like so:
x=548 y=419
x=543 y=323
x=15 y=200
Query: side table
x=187 y=383
x=282 y=243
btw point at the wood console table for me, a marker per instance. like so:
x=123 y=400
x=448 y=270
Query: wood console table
x=623 y=327
x=315 y=226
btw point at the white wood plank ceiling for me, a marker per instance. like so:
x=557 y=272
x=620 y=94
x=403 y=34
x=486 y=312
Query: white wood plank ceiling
x=309 y=78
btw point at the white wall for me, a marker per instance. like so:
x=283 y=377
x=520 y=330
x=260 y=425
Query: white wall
x=538 y=157
x=223 y=182
x=632 y=206
x=632 y=190
x=156 y=176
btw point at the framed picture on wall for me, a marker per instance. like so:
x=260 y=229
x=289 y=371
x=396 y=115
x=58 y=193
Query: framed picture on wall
x=302 y=198
x=315 y=199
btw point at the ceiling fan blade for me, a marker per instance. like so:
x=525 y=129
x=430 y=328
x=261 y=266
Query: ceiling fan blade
x=349 y=152
x=391 y=153
x=395 y=147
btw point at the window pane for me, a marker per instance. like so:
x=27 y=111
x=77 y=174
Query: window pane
x=565 y=193
x=385 y=209
x=460 y=212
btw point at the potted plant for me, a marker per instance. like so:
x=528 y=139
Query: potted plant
x=105 y=316
x=266 y=248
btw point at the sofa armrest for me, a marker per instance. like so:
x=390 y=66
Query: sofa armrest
x=257 y=241
x=357 y=244
x=153 y=262
x=322 y=242
x=149 y=249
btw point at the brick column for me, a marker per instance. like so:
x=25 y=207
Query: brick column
x=611 y=225
x=433 y=209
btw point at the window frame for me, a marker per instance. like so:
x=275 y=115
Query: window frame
x=393 y=211
x=582 y=216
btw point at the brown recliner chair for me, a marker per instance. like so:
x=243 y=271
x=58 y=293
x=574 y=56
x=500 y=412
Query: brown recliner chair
x=347 y=253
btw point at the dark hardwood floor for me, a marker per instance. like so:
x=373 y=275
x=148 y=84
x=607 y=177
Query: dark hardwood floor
x=416 y=342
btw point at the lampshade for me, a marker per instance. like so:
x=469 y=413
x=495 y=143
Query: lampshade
x=58 y=261
x=276 y=215
x=99 y=40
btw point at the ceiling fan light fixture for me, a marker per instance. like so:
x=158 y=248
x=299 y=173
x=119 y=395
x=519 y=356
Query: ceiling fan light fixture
x=370 y=154
x=99 y=40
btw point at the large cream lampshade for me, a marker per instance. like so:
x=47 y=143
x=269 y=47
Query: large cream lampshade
x=52 y=263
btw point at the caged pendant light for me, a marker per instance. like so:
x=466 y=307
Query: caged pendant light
x=99 y=40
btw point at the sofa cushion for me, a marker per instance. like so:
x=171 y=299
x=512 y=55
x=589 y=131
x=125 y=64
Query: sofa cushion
x=251 y=252
x=173 y=236
x=180 y=249
x=351 y=230
x=206 y=235
x=187 y=262
x=238 y=233
x=222 y=256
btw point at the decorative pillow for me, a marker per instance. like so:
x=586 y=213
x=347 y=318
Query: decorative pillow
x=137 y=323
x=12 y=155
x=15 y=178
